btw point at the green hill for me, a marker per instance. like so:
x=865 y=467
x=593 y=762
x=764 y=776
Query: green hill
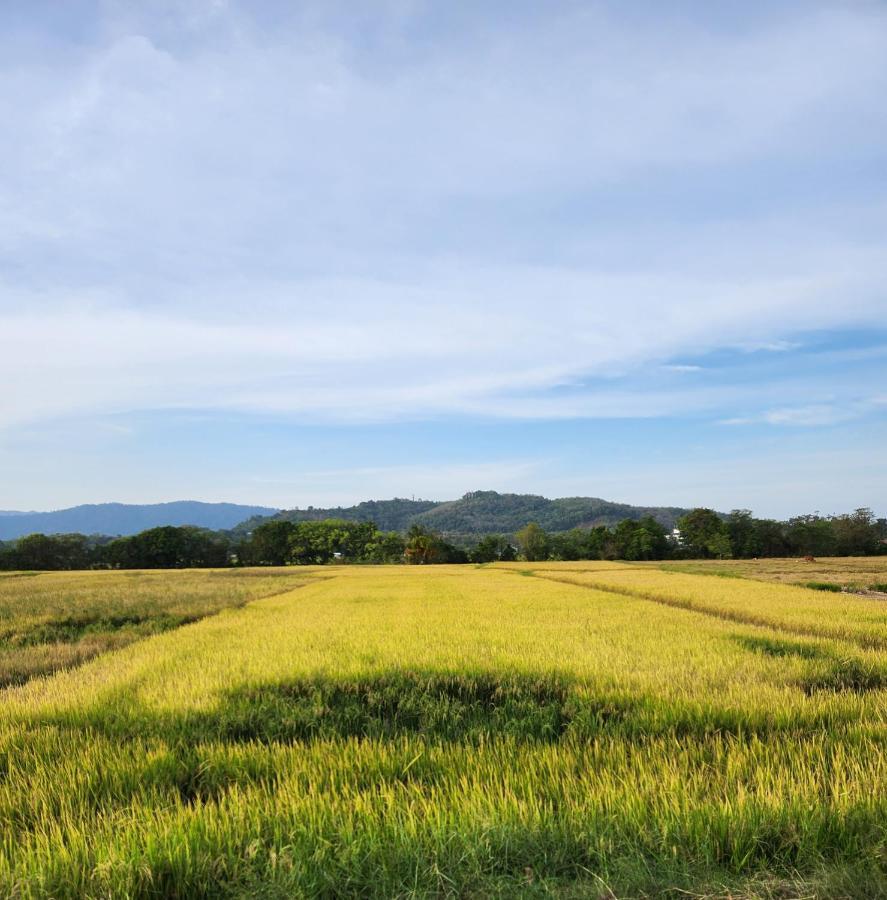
x=482 y=512
x=390 y=515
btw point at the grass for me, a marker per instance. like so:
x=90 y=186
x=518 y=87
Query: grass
x=455 y=731
x=51 y=621
x=823 y=586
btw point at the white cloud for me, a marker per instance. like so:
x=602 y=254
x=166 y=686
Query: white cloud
x=780 y=346
x=821 y=414
x=200 y=211
x=478 y=342
x=810 y=415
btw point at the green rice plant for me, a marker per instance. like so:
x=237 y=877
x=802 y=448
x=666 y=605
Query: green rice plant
x=460 y=732
x=63 y=619
x=785 y=607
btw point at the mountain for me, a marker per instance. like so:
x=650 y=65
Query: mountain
x=122 y=518
x=389 y=515
x=483 y=512
x=476 y=513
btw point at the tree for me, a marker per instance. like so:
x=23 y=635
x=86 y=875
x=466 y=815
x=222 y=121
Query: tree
x=50 y=552
x=704 y=533
x=768 y=539
x=270 y=544
x=384 y=547
x=566 y=545
x=741 y=531
x=532 y=542
x=856 y=533
x=169 y=547
x=639 y=540
x=595 y=542
x=421 y=546
x=37 y=551
x=492 y=548
x=810 y=535
x=316 y=543
x=424 y=546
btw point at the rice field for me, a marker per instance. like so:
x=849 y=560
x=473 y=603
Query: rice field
x=54 y=620
x=859 y=573
x=513 y=730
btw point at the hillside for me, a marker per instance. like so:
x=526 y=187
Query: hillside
x=124 y=519
x=390 y=515
x=476 y=513
x=484 y=512
x=481 y=512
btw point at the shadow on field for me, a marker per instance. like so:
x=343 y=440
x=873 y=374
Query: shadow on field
x=830 y=672
x=449 y=707
x=779 y=647
x=452 y=707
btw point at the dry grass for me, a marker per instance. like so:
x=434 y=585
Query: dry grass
x=853 y=573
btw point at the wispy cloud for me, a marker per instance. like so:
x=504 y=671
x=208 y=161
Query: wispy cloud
x=470 y=340
x=439 y=212
x=780 y=346
x=811 y=415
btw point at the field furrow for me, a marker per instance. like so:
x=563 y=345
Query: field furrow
x=793 y=609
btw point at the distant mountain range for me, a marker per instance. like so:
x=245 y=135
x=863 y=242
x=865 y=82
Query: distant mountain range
x=482 y=512
x=124 y=518
x=478 y=512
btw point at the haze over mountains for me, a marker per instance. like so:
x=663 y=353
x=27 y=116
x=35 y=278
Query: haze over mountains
x=125 y=519
x=478 y=512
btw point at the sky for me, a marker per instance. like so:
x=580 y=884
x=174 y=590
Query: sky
x=310 y=253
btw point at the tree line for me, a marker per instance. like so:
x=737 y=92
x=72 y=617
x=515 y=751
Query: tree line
x=701 y=533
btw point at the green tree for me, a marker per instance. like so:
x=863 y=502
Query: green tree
x=384 y=547
x=768 y=539
x=269 y=544
x=639 y=540
x=38 y=551
x=492 y=548
x=424 y=546
x=811 y=535
x=741 y=531
x=532 y=542
x=168 y=547
x=856 y=533
x=704 y=533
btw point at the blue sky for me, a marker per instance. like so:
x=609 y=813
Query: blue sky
x=313 y=253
